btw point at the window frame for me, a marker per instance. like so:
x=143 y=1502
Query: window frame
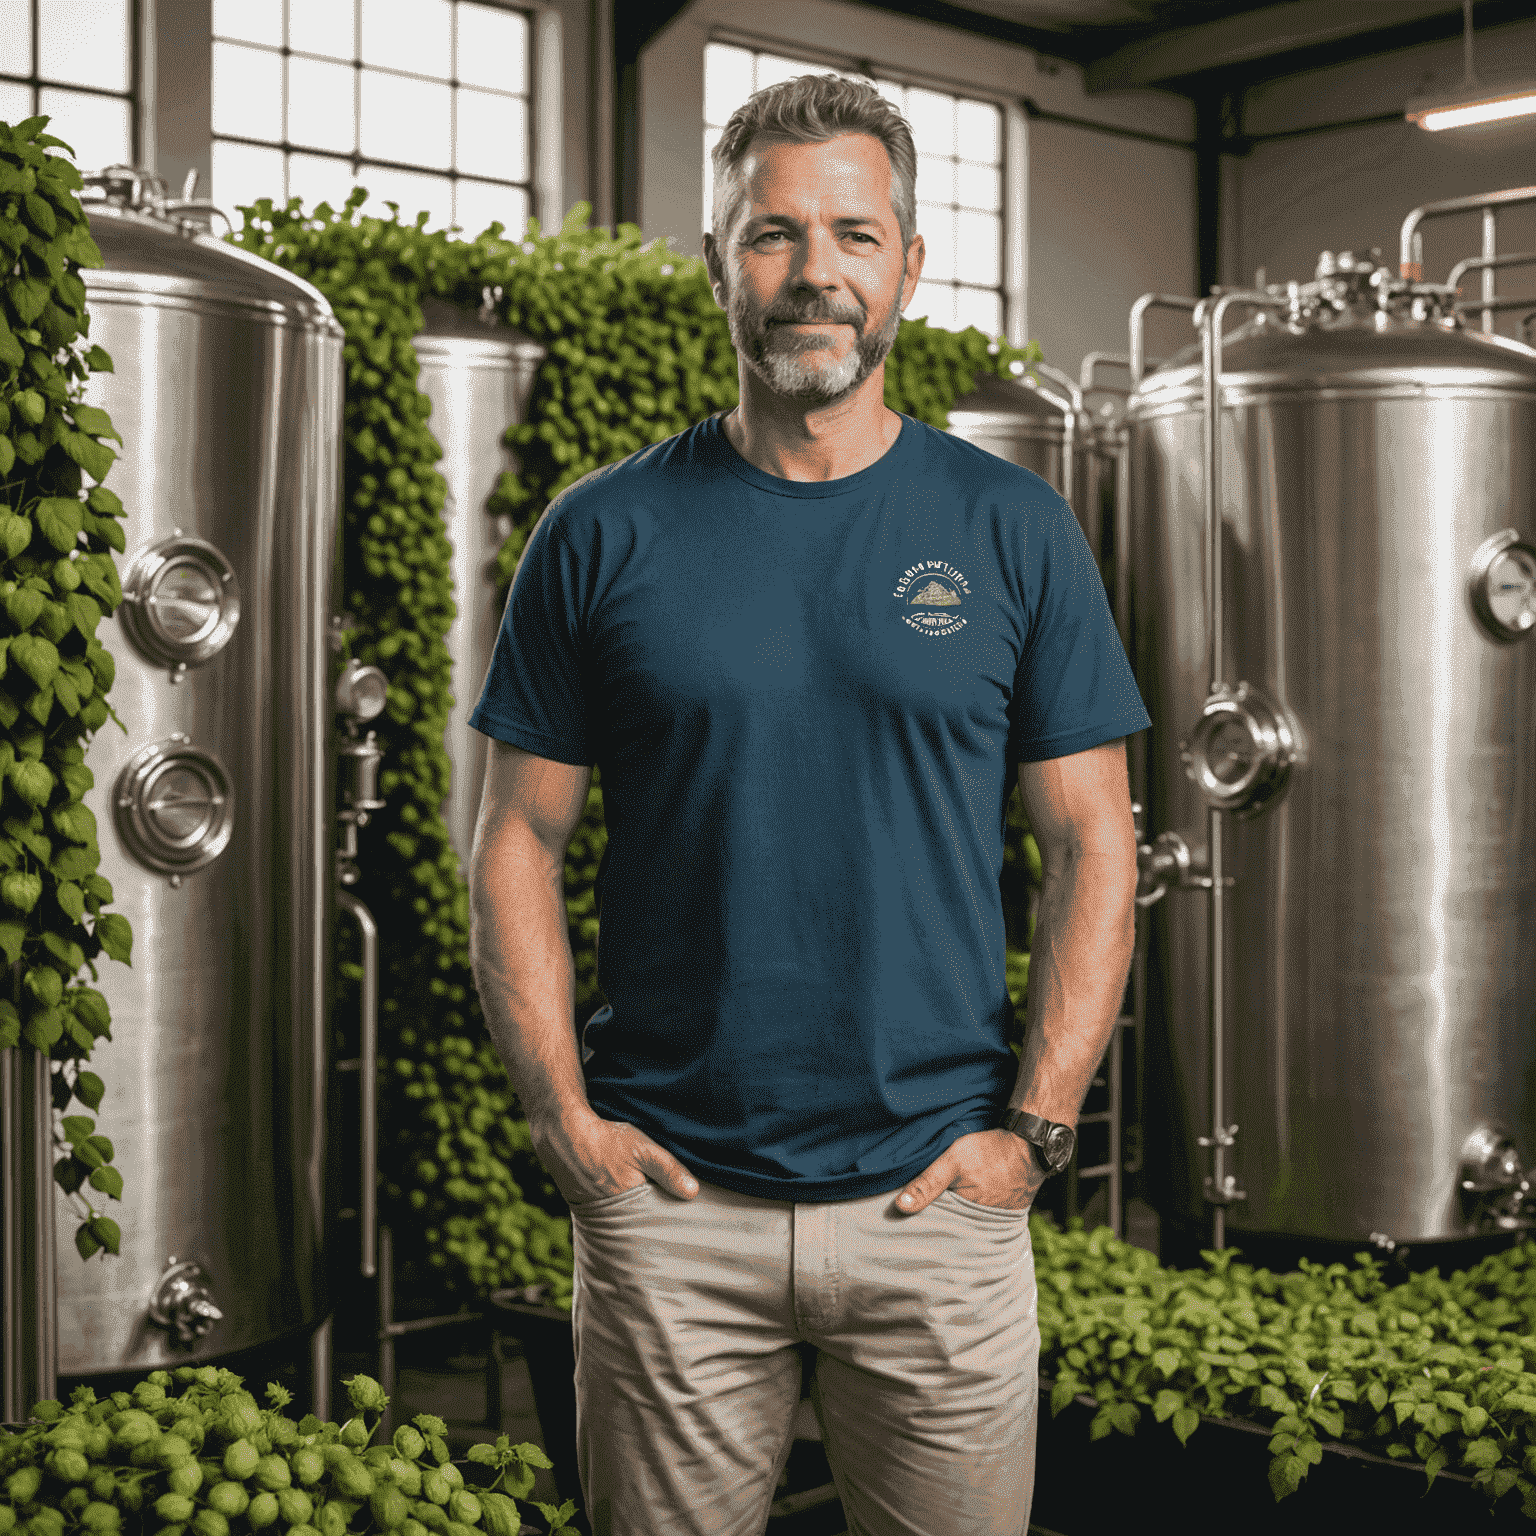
x=140 y=17
x=537 y=186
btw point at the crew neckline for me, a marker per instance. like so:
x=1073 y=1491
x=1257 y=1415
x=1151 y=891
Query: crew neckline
x=806 y=490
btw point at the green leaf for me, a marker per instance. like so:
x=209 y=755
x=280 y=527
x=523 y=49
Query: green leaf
x=103 y=502
x=23 y=606
x=1376 y=1395
x=89 y=1089
x=100 y=1145
x=74 y=862
x=1166 y=1404
x=45 y=984
x=1285 y=1475
x=33 y=782
x=92 y=419
x=1474 y=1421
x=1434 y=1466
x=1062 y=1393
x=71 y=900
x=483 y=1453
x=77 y=822
x=20 y=890
x=98 y=359
x=76 y=1128
x=15 y=534
x=86 y=1240
x=44 y=1029
x=1482 y=1453
x=59 y=517
x=1168 y=1361
x=40 y=705
x=94 y=458
x=1185 y=1422
x=65 y=951
x=68 y=1175
x=10 y=1024
x=90 y=1007
x=106 y=1232
x=1102 y=1424
x=12 y=936
x=115 y=935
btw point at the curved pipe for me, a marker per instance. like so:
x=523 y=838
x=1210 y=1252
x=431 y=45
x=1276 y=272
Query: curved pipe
x=1138 y=362
x=1072 y=416
x=1092 y=362
x=1414 y=269
x=369 y=1079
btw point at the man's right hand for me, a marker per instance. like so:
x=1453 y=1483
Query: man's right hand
x=589 y=1157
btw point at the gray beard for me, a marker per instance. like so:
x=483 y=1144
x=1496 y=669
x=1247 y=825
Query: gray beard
x=785 y=360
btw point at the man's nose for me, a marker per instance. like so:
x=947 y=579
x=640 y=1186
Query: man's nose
x=818 y=264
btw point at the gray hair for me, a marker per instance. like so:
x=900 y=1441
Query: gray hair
x=810 y=109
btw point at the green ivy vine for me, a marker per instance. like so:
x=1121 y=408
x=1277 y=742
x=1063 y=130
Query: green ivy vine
x=57 y=579
x=636 y=350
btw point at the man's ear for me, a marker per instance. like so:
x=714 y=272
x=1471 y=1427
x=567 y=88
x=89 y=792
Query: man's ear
x=714 y=267
x=915 y=253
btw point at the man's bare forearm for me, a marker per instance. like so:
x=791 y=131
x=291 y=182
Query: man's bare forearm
x=521 y=951
x=1085 y=937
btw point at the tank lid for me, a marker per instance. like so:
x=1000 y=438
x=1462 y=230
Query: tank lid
x=448 y=323
x=997 y=402
x=152 y=244
x=1354 y=325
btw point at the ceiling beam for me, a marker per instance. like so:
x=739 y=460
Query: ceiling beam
x=1233 y=42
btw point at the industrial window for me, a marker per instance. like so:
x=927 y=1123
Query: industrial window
x=73 y=60
x=424 y=102
x=959 y=144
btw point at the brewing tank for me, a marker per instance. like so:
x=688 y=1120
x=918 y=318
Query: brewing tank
x=478 y=375
x=1043 y=426
x=1373 y=749
x=214 y=804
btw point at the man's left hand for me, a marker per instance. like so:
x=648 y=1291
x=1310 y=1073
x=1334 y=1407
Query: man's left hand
x=993 y=1168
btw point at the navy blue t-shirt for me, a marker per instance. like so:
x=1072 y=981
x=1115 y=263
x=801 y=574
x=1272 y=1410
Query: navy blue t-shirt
x=808 y=703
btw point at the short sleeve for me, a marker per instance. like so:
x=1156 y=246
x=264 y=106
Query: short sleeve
x=534 y=696
x=1074 y=688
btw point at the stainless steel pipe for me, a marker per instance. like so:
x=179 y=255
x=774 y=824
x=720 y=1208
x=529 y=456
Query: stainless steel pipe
x=28 y=1265
x=368 y=1074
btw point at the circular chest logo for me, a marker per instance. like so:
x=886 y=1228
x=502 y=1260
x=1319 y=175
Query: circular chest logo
x=933 y=593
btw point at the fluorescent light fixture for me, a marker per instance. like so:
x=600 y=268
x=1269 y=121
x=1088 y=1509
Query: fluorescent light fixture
x=1473 y=104
x=1472 y=101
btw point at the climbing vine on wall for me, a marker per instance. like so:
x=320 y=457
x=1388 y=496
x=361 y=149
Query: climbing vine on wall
x=637 y=350
x=57 y=579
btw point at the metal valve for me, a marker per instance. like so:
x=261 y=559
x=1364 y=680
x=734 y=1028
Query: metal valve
x=361 y=694
x=183 y=1300
x=1162 y=865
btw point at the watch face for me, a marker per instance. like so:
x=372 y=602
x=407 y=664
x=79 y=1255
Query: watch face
x=1059 y=1144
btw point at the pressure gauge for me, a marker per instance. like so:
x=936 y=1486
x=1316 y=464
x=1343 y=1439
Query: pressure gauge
x=1502 y=585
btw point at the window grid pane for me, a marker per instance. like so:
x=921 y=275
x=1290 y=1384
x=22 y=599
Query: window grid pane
x=423 y=102
x=80 y=75
x=959 y=143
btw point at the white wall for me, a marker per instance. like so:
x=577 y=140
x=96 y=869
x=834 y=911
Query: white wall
x=1351 y=188
x=1108 y=218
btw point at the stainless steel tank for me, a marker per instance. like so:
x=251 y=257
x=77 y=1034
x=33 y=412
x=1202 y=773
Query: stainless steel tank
x=1042 y=425
x=478 y=375
x=215 y=807
x=1370 y=757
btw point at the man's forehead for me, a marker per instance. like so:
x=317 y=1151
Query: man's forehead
x=854 y=162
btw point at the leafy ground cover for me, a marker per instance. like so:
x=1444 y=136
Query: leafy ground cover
x=206 y=1460
x=1439 y=1370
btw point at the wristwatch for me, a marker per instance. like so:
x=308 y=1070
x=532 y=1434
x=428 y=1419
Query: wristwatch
x=1054 y=1143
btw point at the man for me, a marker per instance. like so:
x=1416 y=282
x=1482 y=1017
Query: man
x=808 y=642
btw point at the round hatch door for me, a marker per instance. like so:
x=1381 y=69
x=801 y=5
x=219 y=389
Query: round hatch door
x=175 y=808
x=181 y=601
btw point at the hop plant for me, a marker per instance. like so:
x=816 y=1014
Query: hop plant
x=128 y=1466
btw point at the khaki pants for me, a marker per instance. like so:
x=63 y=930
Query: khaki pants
x=685 y=1317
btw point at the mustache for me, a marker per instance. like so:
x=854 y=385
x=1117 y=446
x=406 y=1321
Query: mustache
x=818 y=313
